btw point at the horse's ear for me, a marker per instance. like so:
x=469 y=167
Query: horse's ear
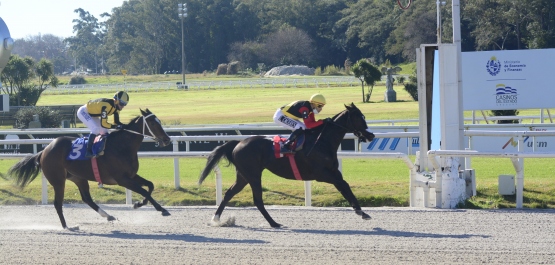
x=353 y=105
x=347 y=107
x=142 y=112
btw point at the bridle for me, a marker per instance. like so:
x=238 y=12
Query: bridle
x=145 y=125
x=356 y=132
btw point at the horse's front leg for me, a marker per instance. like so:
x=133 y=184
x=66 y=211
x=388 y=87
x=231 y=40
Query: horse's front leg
x=143 y=182
x=345 y=190
x=135 y=186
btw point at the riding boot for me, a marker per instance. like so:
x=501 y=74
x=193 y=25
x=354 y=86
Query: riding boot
x=102 y=145
x=287 y=145
x=90 y=144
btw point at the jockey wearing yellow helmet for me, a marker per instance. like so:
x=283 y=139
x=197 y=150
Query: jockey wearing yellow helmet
x=95 y=114
x=290 y=115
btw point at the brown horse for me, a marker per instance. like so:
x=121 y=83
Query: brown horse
x=316 y=161
x=118 y=165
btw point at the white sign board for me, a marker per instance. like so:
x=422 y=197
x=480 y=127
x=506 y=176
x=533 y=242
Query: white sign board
x=479 y=143
x=392 y=144
x=502 y=80
x=509 y=144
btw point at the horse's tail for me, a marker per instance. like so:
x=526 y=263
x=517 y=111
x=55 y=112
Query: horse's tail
x=26 y=170
x=215 y=157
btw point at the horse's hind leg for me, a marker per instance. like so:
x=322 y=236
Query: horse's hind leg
x=143 y=182
x=59 y=187
x=238 y=186
x=57 y=179
x=83 y=186
x=256 y=186
x=135 y=186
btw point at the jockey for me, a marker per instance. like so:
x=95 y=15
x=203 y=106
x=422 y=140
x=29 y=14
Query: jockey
x=95 y=114
x=290 y=115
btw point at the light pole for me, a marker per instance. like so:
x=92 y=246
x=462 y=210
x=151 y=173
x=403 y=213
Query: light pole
x=182 y=11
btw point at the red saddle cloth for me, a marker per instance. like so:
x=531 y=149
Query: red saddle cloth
x=278 y=142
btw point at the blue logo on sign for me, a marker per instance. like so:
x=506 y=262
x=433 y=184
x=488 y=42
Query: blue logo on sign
x=493 y=66
x=505 y=95
x=384 y=143
x=504 y=90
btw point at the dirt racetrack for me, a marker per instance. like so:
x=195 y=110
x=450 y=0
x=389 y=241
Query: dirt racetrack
x=33 y=235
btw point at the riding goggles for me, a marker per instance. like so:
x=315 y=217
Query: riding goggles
x=122 y=102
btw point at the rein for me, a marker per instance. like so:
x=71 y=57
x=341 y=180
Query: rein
x=356 y=132
x=147 y=127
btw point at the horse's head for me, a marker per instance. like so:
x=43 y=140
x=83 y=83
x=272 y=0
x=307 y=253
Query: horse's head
x=153 y=127
x=356 y=122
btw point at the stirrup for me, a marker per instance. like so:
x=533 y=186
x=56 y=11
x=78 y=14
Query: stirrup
x=286 y=150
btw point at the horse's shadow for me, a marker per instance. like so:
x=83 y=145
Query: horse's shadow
x=375 y=232
x=13 y=195
x=177 y=237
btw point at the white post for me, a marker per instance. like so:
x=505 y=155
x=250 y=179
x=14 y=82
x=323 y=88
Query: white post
x=176 y=166
x=218 y=185
x=307 y=193
x=44 y=190
x=128 y=198
x=519 y=166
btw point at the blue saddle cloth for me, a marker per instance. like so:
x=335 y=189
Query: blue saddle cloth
x=79 y=148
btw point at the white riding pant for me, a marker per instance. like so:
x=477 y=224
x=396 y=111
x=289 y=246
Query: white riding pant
x=93 y=123
x=287 y=122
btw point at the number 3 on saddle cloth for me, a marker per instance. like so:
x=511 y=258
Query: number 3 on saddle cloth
x=296 y=146
x=79 y=148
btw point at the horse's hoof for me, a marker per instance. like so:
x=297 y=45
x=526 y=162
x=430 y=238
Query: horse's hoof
x=165 y=213
x=363 y=214
x=137 y=205
x=73 y=228
x=111 y=218
x=366 y=216
x=276 y=225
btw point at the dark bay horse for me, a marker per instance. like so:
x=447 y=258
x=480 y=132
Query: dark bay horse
x=118 y=165
x=316 y=161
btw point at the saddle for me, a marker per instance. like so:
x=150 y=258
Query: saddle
x=79 y=147
x=296 y=146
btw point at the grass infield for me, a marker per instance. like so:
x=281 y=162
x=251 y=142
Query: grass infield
x=375 y=182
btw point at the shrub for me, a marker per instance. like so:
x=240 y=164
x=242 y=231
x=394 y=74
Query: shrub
x=222 y=69
x=332 y=70
x=233 y=68
x=504 y=113
x=318 y=71
x=412 y=89
x=77 y=80
x=400 y=79
x=48 y=118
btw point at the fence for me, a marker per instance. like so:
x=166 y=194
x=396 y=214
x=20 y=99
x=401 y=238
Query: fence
x=516 y=157
x=334 y=81
x=176 y=155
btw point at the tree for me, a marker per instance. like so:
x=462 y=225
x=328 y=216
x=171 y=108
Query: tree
x=18 y=75
x=88 y=37
x=366 y=73
x=45 y=46
x=289 y=46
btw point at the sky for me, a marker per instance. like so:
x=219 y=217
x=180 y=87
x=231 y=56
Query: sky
x=30 y=17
